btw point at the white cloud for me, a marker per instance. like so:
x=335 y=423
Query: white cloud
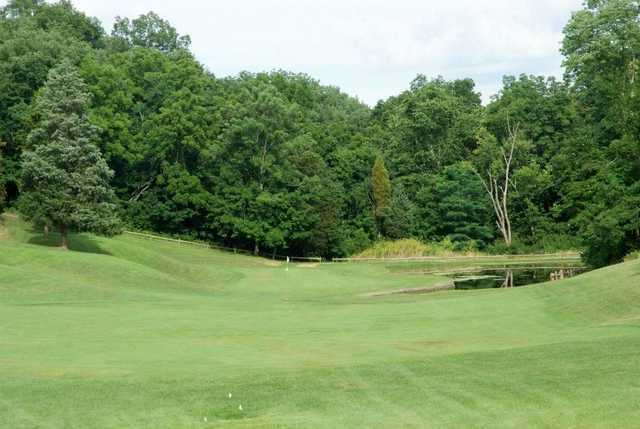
x=369 y=48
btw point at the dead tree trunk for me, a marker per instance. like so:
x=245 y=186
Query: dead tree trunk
x=498 y=186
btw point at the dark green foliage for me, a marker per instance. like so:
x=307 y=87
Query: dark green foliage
x=34 y=36
x=601 y=47
x=453 y=204
x=65 y=180
x=428 y=127
x=277 y=163
x=401 y=218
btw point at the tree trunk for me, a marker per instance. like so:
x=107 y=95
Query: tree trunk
x=508 y=279
x=256 y=249
x=64 y=234
x=499 y=191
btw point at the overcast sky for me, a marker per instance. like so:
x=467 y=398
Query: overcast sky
x=371 y=49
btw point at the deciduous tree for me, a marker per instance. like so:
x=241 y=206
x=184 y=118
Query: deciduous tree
x=149 y=31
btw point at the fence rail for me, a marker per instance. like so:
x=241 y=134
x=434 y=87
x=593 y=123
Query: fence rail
x=547 y=256
x=222 y=248
x=540 y=256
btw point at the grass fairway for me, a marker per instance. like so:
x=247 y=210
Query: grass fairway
x=126 y=332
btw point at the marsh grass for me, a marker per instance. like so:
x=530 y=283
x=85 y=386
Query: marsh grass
x=408 y=248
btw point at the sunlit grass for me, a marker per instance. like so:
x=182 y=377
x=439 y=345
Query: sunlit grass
x=127 y=332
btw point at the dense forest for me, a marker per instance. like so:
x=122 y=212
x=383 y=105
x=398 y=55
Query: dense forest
x=274 y=162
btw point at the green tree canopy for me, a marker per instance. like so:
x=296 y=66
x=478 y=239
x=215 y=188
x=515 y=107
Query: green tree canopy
x=277 y=162
x=149 y=31
x=65 y=180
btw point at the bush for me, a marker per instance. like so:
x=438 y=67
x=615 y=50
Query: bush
x=397 y=249
x=605 y=242
x=516 y=248
x=632 y=256
x=552 y=243
x=354 y=241
x=409 y=247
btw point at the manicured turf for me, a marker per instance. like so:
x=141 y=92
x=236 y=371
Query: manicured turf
x=127 y=332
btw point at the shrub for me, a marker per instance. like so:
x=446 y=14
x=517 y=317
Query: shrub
x=400 y=248
x=409 y=247
x=632 y=256
x=605 y=242
x=354 y=241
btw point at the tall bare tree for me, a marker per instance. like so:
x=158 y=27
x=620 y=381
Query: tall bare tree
x=497 y=178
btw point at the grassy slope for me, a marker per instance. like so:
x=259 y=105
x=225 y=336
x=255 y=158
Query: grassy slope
x=135 y=333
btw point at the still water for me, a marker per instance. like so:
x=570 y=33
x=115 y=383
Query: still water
x=511 y=277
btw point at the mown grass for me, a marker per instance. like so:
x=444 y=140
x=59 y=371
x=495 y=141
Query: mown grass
x=126 y=332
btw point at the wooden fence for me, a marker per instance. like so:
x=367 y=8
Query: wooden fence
x=566 y=256
x=537 y=257
x=222 y=248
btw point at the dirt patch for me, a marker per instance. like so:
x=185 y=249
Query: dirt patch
x=415 y=291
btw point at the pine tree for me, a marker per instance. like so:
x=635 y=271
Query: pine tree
x=381 y=193
x=65 y=179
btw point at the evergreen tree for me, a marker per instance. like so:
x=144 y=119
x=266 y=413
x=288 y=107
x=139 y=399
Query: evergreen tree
x=401 y=215
x=65 y=180
x=381 y=192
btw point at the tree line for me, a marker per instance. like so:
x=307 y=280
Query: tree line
x=103 y=130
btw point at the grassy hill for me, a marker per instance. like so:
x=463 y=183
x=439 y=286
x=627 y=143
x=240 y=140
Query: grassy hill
x=126 y=332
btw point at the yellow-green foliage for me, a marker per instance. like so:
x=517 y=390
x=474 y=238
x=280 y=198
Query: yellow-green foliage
x=381 y=186
x=632 y=256
x=410 y=247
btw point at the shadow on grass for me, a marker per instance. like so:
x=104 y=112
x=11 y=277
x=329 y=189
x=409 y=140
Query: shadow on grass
x=77 y=242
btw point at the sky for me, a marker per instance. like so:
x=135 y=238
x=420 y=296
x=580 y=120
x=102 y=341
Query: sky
x=370 y=49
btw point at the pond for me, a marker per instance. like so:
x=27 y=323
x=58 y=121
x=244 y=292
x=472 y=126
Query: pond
x=488 y=278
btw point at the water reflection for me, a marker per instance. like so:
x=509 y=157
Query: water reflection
x=511 y=277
